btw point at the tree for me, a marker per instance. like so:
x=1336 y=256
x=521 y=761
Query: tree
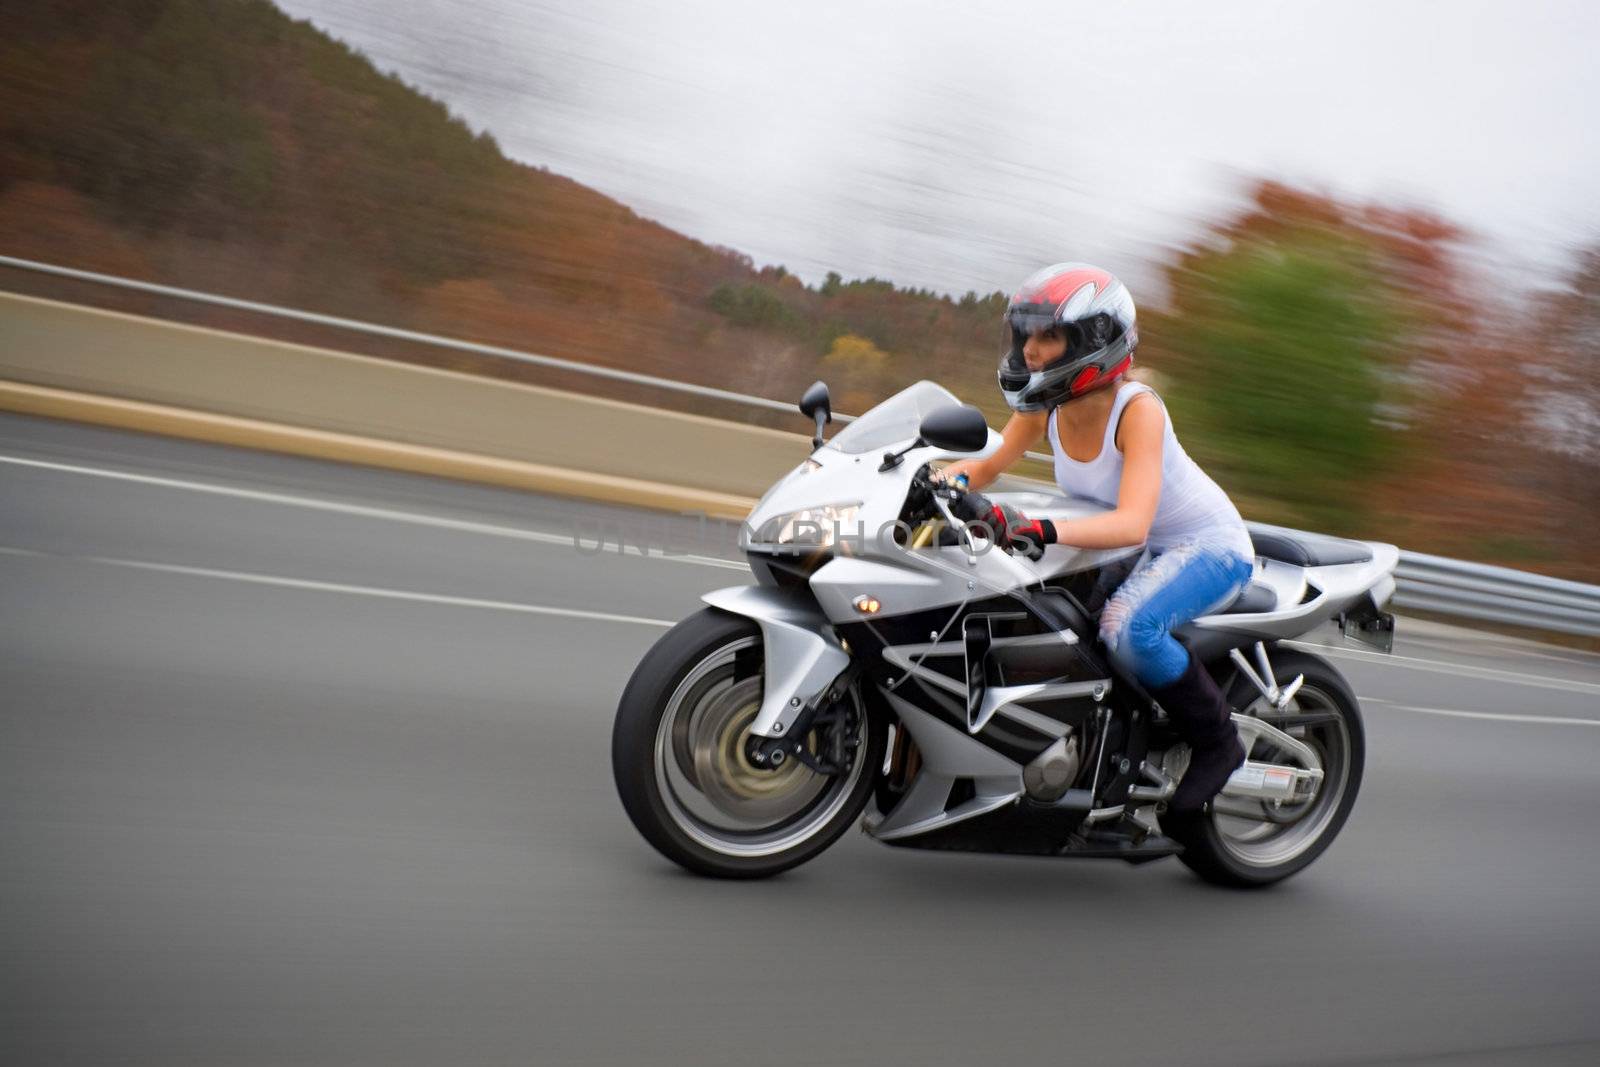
x=1283 y=344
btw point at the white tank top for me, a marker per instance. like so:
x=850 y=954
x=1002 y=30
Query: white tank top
x=1192 y=506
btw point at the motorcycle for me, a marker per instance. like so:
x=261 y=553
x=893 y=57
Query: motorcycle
x=892 y=661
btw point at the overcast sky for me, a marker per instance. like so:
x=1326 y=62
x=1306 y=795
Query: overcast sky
x=960 y=145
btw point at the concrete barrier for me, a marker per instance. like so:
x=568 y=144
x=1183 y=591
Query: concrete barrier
x=68 y=361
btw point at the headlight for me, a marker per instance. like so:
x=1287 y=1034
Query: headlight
x=818 y=527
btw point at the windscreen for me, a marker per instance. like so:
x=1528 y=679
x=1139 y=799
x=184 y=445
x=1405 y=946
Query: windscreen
x=896 y=419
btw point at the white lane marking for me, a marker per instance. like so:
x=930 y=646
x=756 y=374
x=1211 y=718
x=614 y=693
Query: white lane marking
x=1573 y=658
x=1496 y=716
x=362 y=511
x=1462 y=670
x=352 y=590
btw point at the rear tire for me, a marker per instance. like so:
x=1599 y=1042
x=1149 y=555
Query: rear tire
x=676 y=755
x=1238 y=853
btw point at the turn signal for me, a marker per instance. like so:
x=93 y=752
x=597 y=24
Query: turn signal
x=867 y=605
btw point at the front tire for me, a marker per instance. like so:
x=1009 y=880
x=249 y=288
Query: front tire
x=677 y=754
x=1243 y=853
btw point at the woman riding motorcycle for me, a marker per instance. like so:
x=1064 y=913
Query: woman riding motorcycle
x=1069 y=342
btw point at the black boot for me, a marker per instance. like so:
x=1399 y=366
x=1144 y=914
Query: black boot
x=1201 y=716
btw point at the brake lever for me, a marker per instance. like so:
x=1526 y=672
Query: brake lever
x=963 y=530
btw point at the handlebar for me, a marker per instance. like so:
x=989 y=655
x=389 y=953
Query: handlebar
x=950 y=491
x=944 y=498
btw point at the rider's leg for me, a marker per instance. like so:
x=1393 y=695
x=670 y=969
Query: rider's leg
x=1180 y=584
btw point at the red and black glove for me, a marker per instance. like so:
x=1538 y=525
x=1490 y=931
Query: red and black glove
x=1022 y=534
x=1009 y=527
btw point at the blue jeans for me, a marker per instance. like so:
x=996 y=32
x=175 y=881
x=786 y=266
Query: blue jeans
x=1186 y=581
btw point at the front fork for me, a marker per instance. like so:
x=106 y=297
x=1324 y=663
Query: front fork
x=831 y=716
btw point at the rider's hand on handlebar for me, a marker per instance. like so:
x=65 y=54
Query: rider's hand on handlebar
x=1009 y=528
x=1025 y=535
x=956 y=475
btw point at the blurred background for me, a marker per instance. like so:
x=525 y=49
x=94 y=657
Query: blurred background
x=1363 y=240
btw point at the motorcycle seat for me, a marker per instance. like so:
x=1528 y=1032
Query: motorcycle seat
x=1307 y=551
x=1256 y=597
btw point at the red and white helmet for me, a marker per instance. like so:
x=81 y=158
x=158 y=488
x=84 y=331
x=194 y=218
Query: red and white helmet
x=1095 y=313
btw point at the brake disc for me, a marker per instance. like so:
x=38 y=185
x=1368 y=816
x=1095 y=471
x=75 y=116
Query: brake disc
x=722 y=770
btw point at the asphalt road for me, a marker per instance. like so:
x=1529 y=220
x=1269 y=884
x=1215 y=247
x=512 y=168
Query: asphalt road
x=303 y=763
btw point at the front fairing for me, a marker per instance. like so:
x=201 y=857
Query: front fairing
x=845 y=472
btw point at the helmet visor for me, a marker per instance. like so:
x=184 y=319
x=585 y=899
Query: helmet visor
x=1029 y=319
x=1020 y=325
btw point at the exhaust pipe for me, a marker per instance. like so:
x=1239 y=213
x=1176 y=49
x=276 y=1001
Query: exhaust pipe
x=1272 y=781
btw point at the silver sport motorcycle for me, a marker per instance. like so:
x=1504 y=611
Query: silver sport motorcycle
x=890 y=661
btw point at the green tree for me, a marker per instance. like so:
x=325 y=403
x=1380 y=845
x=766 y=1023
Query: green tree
x=1282 y=343
x=755 y=306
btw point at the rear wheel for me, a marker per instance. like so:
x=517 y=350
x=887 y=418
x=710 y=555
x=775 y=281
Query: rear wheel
x=679 y=758
x=1267 y=842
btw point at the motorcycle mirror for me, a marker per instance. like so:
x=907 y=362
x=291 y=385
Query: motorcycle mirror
x=816 y=398
x=955 y=429
x=816 y=405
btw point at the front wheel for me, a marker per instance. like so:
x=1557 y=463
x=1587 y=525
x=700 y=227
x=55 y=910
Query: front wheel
x=1266 y=842
x=678 y=755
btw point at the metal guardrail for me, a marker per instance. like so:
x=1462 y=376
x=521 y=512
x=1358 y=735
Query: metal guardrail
x=1496 y=594
x=1423 y=582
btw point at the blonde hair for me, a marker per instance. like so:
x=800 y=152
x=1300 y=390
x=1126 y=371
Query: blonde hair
x=1144 y=375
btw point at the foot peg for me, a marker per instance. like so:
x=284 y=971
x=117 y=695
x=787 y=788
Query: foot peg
x=1158 y=793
